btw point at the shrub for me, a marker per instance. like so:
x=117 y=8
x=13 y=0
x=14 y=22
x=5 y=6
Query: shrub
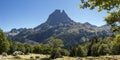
x=37 y=57
x=17 y=57
x=4 y=54
x=56 y=54
x=31 y=58
x=65 y=52
x=17 y=53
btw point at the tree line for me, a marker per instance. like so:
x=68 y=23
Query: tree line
x=98 y=46
x=54 y=47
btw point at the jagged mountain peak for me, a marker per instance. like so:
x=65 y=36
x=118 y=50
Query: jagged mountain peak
x=61 y=26
x=58 y=17
x=59 y=12
x=64 y=13
x=87 y=23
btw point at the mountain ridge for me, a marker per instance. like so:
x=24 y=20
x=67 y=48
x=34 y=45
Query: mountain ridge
x=60 y=25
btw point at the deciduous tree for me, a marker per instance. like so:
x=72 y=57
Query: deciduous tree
x=111 y=6
x=4 y=44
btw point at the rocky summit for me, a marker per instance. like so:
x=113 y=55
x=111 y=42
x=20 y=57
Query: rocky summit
x=59 y=18
x=59 y=25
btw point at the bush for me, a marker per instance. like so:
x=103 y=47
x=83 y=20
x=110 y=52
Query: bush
x=31 y=58
x=65 y=52
x=37 y=57
x=81 y=51
x=14 y=54
x=4 y=54
x=56 y=54
x=17 y=53
x=17 y=57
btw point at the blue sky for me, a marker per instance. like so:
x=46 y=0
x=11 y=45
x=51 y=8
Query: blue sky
x=31 y=13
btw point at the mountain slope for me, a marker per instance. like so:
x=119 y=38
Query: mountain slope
x=61 y=26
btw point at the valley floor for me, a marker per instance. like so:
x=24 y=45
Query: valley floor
x=45 y=57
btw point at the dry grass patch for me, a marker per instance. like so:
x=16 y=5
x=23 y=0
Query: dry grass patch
x=46 y=57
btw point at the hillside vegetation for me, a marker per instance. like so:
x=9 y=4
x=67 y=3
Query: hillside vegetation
x=54 y=47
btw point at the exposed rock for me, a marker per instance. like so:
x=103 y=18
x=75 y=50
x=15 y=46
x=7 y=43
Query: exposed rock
x=61 y=26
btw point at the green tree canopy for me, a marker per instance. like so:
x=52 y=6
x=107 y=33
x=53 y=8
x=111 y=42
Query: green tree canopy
x=13 y=47
x=103 y=49
x=111 y=6
x=55 y=42
x=4 y=44
x=65 y=52
x=94 y=50
x=28 y=48
x=81 y=51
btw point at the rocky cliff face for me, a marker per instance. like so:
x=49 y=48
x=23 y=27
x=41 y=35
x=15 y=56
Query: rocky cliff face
x=57 y=18
x=61 y=26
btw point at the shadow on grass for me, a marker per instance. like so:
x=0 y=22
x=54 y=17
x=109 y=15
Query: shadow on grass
x=46 y=59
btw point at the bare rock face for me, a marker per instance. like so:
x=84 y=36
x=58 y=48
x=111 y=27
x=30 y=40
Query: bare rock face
x=59 y=18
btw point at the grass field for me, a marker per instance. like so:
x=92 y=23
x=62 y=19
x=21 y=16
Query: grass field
x=46 y=57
